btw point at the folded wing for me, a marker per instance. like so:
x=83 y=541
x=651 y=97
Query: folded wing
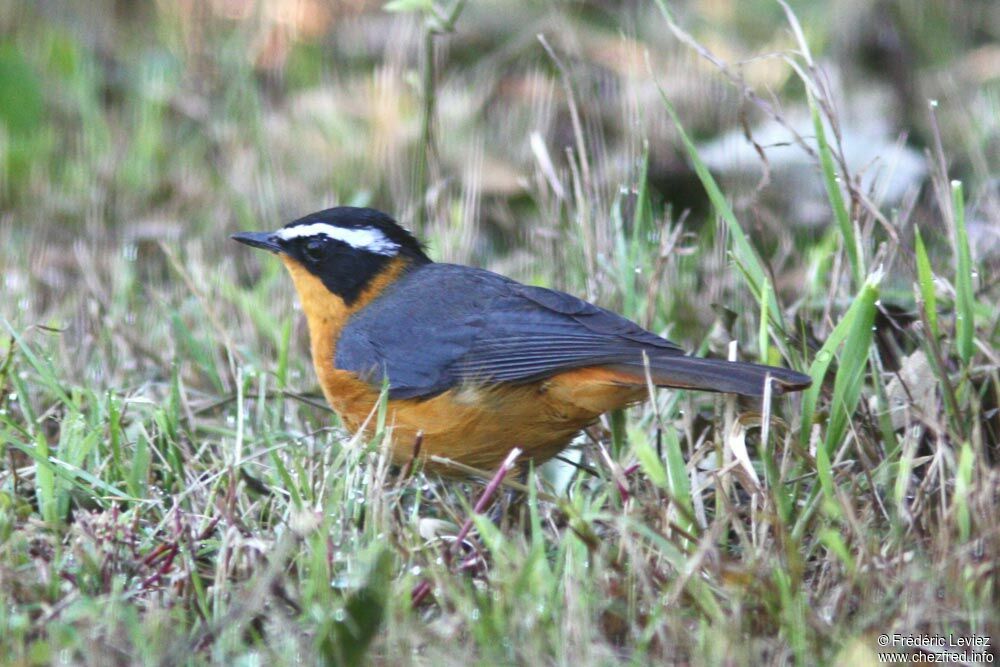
x=443 y=325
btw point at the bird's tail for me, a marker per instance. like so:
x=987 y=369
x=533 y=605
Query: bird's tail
x=734 y=377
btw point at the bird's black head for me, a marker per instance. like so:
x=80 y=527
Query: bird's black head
x=345 y=247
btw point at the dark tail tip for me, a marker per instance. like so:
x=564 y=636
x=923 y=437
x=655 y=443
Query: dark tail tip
x=731 y=377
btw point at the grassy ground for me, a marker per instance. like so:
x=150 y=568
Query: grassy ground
x=173 y=490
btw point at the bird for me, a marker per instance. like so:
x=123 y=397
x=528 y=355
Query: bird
x=474 y=363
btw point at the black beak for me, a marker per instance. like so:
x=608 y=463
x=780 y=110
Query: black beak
x=265 y=240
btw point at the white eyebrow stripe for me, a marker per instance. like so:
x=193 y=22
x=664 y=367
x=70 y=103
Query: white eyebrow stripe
x=362 y=238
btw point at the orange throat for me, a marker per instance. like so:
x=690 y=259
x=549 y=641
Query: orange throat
x=327 y=314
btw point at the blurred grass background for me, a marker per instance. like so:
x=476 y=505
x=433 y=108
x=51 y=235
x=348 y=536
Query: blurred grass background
x=172 y=489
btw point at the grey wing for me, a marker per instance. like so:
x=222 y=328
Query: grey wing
x=534 y=333
x=444 y=325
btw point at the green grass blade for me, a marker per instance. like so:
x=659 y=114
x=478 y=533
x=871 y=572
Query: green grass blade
x=678 y=482
x=884 y=410
x=903 y=472
x=45 y=481
x=836 y=196
x=616 y=419
x=865 y=301
x=963 y=484
x=51 y=469
x=825 y=472
x=114 y=416
x=853 y=361
x=925 y=281
x=46 y=373
x=643 y=214
x=762 y=338
x=833 y=541
x=138 y=473
x=964 y=298
x=345 y=636
x=651 y=464
x=792 y=615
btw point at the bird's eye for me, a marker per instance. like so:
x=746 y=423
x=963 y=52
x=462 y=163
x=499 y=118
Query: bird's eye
x=314 y=250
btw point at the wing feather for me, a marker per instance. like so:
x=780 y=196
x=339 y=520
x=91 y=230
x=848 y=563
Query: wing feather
x=442 y=325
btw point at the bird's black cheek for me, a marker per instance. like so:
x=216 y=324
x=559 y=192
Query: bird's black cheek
x=347 y=275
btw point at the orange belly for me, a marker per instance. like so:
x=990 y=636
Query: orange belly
x=478 y=425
